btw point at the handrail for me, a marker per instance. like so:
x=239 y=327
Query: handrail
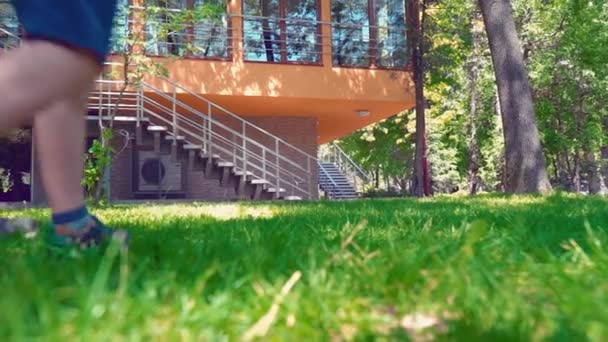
x=9 y=33
x=228 y=129
x=6 y=44
x=332 y=153
x=231 y=114
x=221 y=125
x=236 y=156
x=273 y=18
x=246 y=164
x=366 y=177
x=336 y=188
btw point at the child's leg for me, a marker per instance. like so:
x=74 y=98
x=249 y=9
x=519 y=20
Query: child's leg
x=59 y=132
x=36 y=75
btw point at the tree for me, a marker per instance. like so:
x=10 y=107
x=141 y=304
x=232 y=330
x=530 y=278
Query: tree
x=474 y=65
x=135 y=65
x=421 y=180
x=385 y=150
x=525 y=162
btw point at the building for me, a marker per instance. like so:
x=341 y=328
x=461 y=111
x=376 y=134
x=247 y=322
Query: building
x=253 y=88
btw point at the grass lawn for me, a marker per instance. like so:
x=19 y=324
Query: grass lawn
x=490 y=268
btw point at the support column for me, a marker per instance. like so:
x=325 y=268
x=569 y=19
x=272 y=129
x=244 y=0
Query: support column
x=326 y=40
x=235 y=11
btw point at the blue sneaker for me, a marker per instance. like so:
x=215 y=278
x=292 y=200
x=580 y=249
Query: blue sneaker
x=96 y=235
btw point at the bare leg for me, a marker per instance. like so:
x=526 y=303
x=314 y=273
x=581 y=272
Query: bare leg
x=59 y=132
x=36 y=75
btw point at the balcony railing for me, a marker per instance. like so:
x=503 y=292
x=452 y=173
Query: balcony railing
x=275 y=40
x=264 y=39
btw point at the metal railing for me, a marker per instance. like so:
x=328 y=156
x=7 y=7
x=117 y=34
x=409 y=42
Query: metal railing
x=273 y=39
x=8 y=40
x=332 y=153
x=335 y=189
x=277 y=39
x=216 y=131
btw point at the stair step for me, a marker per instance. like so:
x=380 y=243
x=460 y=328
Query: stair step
x=260 y=182
x=293 y=198
x=274 y=190
x=157 y=128
x=193 y=147
x=241 y=173
x=225 y=164
x=170 y=136
x=206 y=155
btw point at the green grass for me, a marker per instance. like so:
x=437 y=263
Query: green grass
x=490 y=268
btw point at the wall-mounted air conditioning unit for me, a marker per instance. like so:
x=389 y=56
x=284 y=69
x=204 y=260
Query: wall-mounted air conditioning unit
x=158 y=172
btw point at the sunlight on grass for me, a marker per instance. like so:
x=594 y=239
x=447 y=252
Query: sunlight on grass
x=220 y=212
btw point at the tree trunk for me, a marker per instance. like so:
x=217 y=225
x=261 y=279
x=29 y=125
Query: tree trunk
x=597 y=182
x=603 y=167
x=474 y=151
x=525 y=163
x=474 y=66
x=502 y=171
x=267 y=32
x=421 y=181
x=576 y=177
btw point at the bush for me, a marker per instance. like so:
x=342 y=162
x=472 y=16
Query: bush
x=382 y=193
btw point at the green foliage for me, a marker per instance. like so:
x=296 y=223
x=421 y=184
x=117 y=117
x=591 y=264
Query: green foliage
x=568 y=68
x=482 y=269
x=564 y=42
x=6 y=181
x=97 y=161
x=174 y=22
x=386 y=147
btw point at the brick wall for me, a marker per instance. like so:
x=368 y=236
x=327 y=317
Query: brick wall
x=122 y=166
x=299 y=132
x=202 y=188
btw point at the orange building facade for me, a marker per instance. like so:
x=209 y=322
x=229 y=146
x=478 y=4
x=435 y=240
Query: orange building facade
x=342 y=95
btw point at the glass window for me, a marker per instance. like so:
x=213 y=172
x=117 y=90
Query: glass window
x=9 y=26
x=202 y=31
x=162 y=37
x=302 y=31
x=210 y=29
x=366 y=33
x=350 y=33
x=120 y=30
x=391 y=44
x=262 y=32
x=281 y=30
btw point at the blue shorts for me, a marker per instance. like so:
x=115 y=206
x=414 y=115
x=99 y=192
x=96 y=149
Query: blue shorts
x=83 y=24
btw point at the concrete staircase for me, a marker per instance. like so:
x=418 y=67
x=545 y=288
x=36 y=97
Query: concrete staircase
x=229 y=175
x=334 y=183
